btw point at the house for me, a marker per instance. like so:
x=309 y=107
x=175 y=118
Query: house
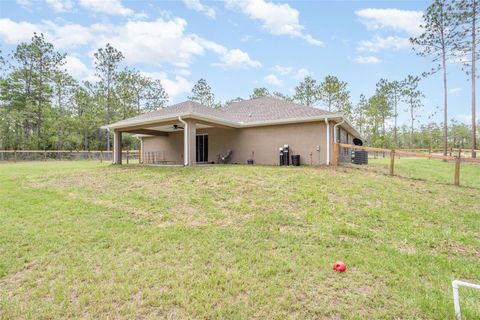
x=190 y=133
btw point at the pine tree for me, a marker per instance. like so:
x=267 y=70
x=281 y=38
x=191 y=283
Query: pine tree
x=259 y=93
x=438 y=41
x=307 y=92
x=202 y=93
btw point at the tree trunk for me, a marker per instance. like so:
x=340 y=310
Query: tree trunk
x=474 y=48
x=411 y=127
x=395 y=126
x=445 y=113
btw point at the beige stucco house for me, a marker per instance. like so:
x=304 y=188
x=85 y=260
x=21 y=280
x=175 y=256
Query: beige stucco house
x=189 y=133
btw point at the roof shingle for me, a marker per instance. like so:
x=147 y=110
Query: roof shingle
x=242 y=112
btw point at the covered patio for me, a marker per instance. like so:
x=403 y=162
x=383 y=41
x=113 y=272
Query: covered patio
x=191 y=148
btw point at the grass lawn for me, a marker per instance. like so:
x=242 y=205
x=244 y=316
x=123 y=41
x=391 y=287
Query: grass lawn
x=90 y=240
x=431 y=170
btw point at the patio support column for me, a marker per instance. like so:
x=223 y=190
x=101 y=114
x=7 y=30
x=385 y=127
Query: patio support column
x=191 y=139
x=117 y=147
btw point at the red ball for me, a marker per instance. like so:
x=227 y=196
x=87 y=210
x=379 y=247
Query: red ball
x=339 y=266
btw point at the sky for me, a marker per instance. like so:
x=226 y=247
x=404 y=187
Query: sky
x=239 y=45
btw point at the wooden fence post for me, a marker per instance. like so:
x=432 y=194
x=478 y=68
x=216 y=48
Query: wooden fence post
x=44 y=155
x=457 y=171
x=392 y=162
x=14 y=155
x=336 y=150
x=101 y=156
x=139 y=156
x=127 y=156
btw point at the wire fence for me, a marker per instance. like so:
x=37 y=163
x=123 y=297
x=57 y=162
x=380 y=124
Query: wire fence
x=65 y=155
x=459 y=168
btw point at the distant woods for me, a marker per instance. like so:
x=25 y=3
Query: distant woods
x=43 y=107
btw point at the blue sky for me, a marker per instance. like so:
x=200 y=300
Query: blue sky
x=239 y=45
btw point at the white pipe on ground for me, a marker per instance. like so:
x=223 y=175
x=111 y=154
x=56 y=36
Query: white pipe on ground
x=328 y=141
x=185 y=141
x=456 y=284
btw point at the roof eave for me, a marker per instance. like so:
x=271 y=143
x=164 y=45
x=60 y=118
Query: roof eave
x=215 y=120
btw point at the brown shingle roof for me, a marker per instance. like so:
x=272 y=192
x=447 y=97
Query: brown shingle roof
x=186 y=107
x=243 y=112
x=268 y=108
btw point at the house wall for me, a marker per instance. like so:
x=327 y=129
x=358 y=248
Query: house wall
x=259 y=143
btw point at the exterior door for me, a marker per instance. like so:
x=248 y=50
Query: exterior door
x=202 y=148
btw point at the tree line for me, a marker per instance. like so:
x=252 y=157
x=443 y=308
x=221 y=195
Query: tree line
x=43 y=107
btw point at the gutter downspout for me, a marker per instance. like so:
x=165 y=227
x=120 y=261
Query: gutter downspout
x=185 y=141
x=328 y=142
x=335 y=131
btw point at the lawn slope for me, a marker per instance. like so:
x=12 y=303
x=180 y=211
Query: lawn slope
x=90 y=240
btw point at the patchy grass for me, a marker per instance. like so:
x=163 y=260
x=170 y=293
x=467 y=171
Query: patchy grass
x=85 y=240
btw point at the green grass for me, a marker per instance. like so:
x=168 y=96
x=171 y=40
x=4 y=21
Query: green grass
x=90 y=240
x=431 y=170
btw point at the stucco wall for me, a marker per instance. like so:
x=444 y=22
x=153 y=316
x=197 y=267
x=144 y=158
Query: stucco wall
x=263 y=142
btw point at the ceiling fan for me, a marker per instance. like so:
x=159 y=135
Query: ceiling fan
x=176 y=127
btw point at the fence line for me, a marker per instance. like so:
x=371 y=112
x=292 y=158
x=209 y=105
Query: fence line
x=47 y=155
x=397 y=152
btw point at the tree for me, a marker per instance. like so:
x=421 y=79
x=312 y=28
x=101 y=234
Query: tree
x=375 y=114
x=107 y=62
x=232 y=101
x=384 y=108
x=202 y=93
x=282 y=96
x=307 y=92
x=438 y=41
x=157 y=97
x=64 y=88
x=334 y=94
x=359 y=114
x=26 y=92
x=413 y=98
x=393 y=92
x=468 y=18
x=259 y=93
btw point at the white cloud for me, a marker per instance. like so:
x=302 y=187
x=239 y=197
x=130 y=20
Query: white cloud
x=367 y=59
x=63 y=36
x=273 y=80
x=408 y=21
x=302 y=73
x=236 y=58
x=281 y=70
x=149 y=42
x=111 y=7
x=153 y=42
x=233 y=58
x=173 y=87
x=277 y=18
x=12 y=32
x=77 y=69
x=60 y=5
x=26 y=4
x=455 y=91
x=198 y=6
x=183 y=72
x=465 y=118
x=388 y=43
